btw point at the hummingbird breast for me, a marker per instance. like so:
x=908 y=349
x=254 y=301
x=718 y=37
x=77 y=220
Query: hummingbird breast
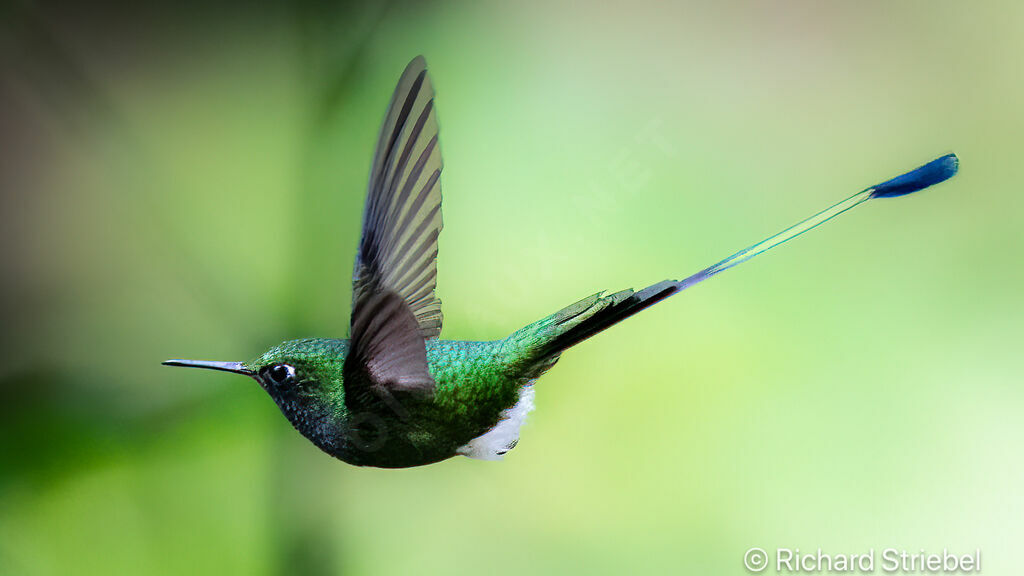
x=478 y=406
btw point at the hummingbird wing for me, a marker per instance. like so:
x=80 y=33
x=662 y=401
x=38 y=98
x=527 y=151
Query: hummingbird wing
x=394 y=307
x=402 y=218
x=386 y=355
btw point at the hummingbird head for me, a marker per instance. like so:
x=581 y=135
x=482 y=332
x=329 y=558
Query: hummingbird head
x=304 y=377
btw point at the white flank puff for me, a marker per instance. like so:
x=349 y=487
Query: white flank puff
x=494 y=443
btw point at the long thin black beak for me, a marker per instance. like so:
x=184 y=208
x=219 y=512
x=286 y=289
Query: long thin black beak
x=236 y=367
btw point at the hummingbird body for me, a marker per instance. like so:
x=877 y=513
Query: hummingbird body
x=483 y=391
x=394 y=395
x=475 y=383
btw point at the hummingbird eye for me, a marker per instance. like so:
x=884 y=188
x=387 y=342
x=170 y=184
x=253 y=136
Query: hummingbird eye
x=280 y=373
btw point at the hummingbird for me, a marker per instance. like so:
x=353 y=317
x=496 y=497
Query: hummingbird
x=394 y=395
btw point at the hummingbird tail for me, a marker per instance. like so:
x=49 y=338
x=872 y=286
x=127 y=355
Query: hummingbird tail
x=543 y=342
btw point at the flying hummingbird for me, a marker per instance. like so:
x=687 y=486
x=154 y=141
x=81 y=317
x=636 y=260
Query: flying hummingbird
x=394 y=395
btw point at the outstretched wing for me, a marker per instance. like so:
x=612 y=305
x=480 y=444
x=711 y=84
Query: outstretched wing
x=386 y=356
x=393 y=303
x=402 y=219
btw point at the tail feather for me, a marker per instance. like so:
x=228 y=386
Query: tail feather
x=542 y=342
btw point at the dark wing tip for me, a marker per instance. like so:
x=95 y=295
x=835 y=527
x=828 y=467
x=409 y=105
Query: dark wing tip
x=402 y=218
x=417 y=64
x=934 y=172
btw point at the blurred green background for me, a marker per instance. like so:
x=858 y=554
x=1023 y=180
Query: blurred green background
x=181 y=180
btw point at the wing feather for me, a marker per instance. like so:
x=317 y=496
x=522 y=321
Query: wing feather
x=394 y=306
x=402 y=221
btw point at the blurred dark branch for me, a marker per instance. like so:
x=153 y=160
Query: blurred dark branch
x=333 y=40
x=35 y=62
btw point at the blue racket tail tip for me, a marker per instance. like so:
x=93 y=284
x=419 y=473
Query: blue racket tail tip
x=934 y=172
